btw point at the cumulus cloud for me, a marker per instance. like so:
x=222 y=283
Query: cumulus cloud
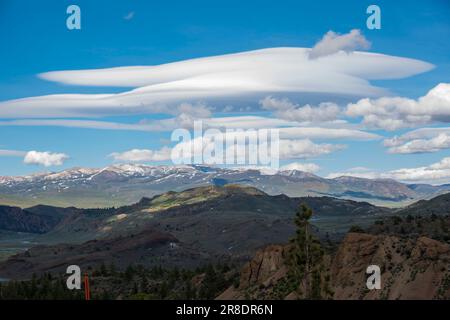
x=419 y=141
x=441 y=141
x=187 y=113
x=333 y=42
x=287 y=149
x=46 y=159
x=422 y=133
x=285 y=109
x=392 y=113
x=142 y=155
x=209 y=149
x=243 y=146
x=436 y=173
x=298 y=149
x=227 y=78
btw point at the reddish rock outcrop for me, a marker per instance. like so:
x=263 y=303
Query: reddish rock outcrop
x=410 y=269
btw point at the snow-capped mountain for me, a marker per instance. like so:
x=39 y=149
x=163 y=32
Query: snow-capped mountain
x=126 y=183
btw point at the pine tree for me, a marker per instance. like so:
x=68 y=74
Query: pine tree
x=306 y=267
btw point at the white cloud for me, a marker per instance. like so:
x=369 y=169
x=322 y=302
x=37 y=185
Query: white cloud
x=419 y=141
x=441 y=141
x=201 y=149
x=247 y=122
x=287 y=129
x=333 y=42
x=392 y=113
x=299 y=149
x=244 y=149
x=422 y=133
x=86 y=124
x=142 y=155
x=227 y=78
x=187 y=113
x=285 y=109
x=359 y=169
x=326 y=133
x=305 y=167
x=241 y=122
x=357 y=174
x=46 y=159
x=436 y=173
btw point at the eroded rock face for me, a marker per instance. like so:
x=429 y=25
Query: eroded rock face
x=265 y=266
x=410 y=269
x=259 y=275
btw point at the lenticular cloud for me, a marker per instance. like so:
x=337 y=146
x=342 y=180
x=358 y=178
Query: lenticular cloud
x=252 y=74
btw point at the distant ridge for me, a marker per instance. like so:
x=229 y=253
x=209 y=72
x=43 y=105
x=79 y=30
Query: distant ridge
x=123 y=184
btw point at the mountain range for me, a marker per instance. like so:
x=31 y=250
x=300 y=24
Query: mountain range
x=232 y=220
x=125 y=184
x=248 y=229
x=210 y=223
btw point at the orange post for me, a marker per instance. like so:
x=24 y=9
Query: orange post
x=87 y=291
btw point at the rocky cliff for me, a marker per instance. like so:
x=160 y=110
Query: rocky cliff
x=410 y=269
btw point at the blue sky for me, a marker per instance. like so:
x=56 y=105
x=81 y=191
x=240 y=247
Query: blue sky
x=35 y=40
